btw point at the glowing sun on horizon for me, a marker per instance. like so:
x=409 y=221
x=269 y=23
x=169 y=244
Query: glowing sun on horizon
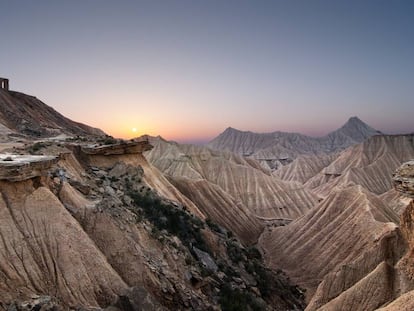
x=134 y=129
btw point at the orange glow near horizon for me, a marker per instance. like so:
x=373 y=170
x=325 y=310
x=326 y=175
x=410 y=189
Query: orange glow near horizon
x=175 y=133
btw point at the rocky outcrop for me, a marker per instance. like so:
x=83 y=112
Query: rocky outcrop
x=35 y=302
x=132 y=157
x=23 y=167
x=404 y=179
x=124 y=147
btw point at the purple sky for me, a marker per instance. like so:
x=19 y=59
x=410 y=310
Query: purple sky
x=186 y=70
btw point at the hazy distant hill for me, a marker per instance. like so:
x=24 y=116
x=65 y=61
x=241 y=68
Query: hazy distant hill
x=277 y=148
x=27 y=115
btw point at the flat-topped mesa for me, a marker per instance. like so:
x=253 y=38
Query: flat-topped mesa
x=403 y=179
x=4 y=84
x=22 y=167
x=129 y=147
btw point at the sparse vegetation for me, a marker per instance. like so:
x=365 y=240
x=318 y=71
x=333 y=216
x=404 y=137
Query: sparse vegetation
x=213 y=226
x=77 y=138
x=167 y=217
x=36 y=147
x=252 y=261
x=237 y=300
x=235 y=292
x=253 y=253
x=108 y=140
x=263 y=277
x=235 y=252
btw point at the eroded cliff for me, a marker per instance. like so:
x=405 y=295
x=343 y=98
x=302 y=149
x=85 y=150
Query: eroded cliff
x=99 y=230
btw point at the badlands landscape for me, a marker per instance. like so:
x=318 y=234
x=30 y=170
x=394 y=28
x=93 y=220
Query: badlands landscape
x=249 y=221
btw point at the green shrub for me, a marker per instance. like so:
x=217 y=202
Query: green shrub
x=253 y=253
x=263 y=278
x=167 y=217
x=212 y=225
x=237 y=300
x=107 y=140
x=235 y=252
x=36 y=147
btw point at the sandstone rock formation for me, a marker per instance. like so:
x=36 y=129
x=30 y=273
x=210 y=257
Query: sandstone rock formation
x=304 y=167
x=107 y=230
x=336 y=232
x=44 y=250
x=23 y=167
x=232 y=190
x=369 y=164
x=348 y=251
x=384 y=277
x=404 y=179
x=123 y=147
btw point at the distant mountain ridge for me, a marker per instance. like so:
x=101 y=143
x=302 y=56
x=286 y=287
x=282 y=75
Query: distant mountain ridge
x=276 y=148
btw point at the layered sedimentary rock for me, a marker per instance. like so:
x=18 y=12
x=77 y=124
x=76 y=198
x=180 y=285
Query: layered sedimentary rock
x=44 y=250
x=304 y=167
x=404 y=179
x=346 y=224
x=108 y=156
x=96 y=232
x=369 y=164
x=124 y=147
x=375 y=274
x=389 y=285
x=229 y=188
x=22 y=167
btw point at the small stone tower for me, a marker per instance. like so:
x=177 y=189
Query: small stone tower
x=4 y=84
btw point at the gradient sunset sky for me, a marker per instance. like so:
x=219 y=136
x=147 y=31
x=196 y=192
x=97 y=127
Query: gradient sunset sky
x=186 y=70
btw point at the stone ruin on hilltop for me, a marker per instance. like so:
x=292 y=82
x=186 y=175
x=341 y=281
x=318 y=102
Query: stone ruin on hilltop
x=4 y=84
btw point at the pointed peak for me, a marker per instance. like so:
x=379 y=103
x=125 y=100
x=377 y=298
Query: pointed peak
x=356 y=129
x=355 y=122
x=230 y=129
x=355 y=119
